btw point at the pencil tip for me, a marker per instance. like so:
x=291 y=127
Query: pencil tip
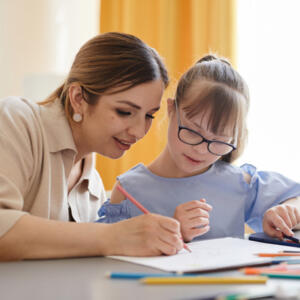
x=187 y=248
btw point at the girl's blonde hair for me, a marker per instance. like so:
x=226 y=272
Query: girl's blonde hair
x=109 y=61
x=223 y=93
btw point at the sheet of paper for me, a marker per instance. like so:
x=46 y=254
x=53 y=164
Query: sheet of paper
x=210 y=255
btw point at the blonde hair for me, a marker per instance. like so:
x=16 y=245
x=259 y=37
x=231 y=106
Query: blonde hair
x=223 y=93
x=108 y=61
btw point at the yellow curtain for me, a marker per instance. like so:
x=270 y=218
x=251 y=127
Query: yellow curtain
x=182 y=31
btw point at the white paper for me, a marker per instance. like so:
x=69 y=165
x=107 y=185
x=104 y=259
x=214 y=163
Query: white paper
x=210 y=255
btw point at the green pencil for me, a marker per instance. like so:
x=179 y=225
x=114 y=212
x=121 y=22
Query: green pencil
x=286 y=276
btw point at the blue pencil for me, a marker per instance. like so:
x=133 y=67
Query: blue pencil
x=127 y=275
x=286 y=259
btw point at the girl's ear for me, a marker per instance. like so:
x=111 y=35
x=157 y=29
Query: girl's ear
x=171 y=106
x=76 y=98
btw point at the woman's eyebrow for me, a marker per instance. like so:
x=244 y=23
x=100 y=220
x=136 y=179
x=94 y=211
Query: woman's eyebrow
x=136 y=106
x=129 y=103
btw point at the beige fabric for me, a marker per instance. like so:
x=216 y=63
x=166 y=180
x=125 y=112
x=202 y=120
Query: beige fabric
x=36 y=156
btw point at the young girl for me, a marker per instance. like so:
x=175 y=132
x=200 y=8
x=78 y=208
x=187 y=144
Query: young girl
x=207 y=133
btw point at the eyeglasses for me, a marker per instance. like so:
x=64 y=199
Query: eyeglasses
x=192 y=137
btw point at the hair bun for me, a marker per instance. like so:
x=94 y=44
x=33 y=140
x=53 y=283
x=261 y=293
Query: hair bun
x=211 y=57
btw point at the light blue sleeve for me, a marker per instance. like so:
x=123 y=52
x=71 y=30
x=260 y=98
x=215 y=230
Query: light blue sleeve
x=112 y=213
x=266 y=189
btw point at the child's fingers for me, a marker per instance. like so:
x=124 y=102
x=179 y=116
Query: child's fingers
x=199 y=231
x=297 y=214
x=196 y=203
x=289 y=213
x=195 y=222
x=197 y=212
x=272 y=231
x=189 y=205
x=294 y=214
x=193 y=232
x=279 y=223
x=286 y=217
x=293 y=217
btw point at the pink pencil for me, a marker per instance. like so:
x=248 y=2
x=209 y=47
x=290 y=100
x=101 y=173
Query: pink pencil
x=141 y=207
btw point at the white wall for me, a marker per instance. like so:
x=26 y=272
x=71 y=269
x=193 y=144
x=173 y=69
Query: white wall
x=269 y=47
x=38 y=41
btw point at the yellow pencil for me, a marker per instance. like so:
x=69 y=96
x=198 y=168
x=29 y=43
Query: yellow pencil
x=205 y=280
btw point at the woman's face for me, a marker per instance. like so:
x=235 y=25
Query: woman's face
x=188 y=159
x=118 y=120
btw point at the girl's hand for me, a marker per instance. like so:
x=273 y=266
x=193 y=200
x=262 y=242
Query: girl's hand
x=281 y=219
x=145 y=235
x=193 y=217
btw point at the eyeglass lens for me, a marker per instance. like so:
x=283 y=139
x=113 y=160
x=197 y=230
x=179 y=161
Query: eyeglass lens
x=189 y=137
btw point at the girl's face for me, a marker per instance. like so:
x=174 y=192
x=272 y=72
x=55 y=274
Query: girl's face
x=118 y=120
x=191 y=159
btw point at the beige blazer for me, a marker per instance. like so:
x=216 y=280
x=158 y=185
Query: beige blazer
x=37 y=151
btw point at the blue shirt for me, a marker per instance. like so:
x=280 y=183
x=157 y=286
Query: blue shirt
x=234 y=201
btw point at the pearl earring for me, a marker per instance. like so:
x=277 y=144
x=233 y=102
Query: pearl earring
x=77 y=117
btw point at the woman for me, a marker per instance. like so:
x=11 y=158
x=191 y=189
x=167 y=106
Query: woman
x=47 y=177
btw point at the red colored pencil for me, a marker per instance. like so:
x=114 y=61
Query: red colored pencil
x=141 y=207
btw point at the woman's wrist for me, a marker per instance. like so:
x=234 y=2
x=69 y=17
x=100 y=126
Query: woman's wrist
x=107 y=240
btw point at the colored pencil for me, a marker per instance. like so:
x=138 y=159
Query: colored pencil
x=134 y=275
x=250 y=296
x=283 y=276
x=133 y=200
x=290 y=251
x=272 y=271
x=286 y=259
x=257 y=271
x=205 y=280
x=141 y=207
x=277 y=254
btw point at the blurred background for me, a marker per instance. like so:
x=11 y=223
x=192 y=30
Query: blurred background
x=39 y=39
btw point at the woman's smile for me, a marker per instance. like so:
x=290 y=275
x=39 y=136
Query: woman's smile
x=123 y=145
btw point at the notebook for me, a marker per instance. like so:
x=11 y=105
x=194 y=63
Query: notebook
x=210 y=255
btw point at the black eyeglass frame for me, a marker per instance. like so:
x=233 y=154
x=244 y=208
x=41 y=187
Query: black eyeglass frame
x=204 y=140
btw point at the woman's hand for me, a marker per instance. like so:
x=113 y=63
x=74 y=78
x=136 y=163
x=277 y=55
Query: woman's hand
x=281 y=219
x=145 y=235
x=193 y=217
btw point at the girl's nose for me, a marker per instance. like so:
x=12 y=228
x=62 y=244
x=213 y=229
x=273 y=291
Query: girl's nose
x=201 y=148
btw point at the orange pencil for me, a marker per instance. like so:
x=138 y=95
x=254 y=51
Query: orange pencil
x=277 y=254
x=141 y=207
x=257 y=271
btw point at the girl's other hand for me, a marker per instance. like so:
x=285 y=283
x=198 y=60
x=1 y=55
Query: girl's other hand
x=145 y=235
x=281 y=219
x=193 y=217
